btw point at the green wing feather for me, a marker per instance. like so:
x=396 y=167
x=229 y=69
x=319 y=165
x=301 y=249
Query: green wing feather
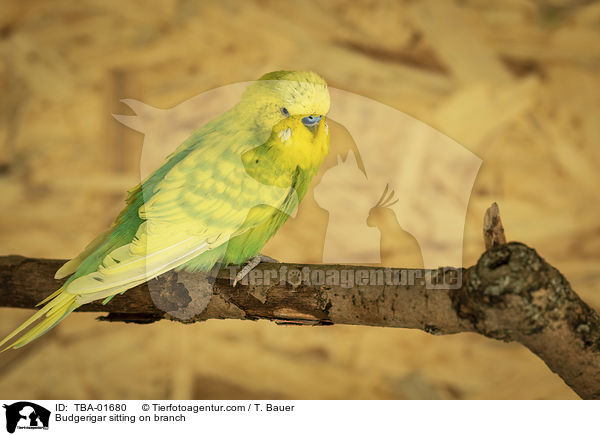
x=197 y=201
x=202 y=206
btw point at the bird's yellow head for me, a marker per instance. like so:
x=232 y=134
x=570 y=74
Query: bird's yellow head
x=282 y=96
x=288 y=118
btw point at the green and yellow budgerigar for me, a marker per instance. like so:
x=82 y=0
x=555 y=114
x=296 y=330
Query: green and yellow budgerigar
x=217 y=199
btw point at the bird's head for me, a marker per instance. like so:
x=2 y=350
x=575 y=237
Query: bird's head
x=299 y=97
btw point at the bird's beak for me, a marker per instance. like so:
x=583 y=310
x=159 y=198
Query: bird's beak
x=312 y=122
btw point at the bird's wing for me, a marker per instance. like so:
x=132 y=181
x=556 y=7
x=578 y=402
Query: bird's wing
x=127 y=223
x=200 y=204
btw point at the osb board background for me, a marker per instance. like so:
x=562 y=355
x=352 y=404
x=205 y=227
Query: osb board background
x=516 y=82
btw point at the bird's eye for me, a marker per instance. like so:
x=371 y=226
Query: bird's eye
x=285 y=112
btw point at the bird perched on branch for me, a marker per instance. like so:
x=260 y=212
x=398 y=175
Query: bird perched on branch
x=216 y=200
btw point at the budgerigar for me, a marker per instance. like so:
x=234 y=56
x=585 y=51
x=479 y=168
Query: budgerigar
x=217 y=199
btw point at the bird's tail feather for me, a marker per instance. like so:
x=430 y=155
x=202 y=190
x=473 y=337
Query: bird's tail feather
x=58 y=305
x=49 y=297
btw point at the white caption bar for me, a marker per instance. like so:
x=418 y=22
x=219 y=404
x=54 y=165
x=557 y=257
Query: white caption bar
x=282 y=418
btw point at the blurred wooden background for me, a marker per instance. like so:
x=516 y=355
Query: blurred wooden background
x=516 y=82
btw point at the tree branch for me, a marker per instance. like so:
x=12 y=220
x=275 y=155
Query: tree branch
x=511 y=294
x=493 y=230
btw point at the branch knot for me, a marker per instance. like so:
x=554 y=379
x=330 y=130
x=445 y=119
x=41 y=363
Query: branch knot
x=507 y=292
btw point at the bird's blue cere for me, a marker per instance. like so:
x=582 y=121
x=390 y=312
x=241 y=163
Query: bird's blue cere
x=311 y=120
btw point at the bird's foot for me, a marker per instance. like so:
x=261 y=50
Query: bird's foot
x=250 y=265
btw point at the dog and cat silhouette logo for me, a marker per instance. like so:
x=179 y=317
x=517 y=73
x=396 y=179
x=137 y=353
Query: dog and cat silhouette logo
x=26 y=415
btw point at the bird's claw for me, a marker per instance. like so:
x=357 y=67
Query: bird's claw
x=252 y=263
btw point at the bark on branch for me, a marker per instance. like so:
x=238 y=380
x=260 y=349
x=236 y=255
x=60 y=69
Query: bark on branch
x=511 y=294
